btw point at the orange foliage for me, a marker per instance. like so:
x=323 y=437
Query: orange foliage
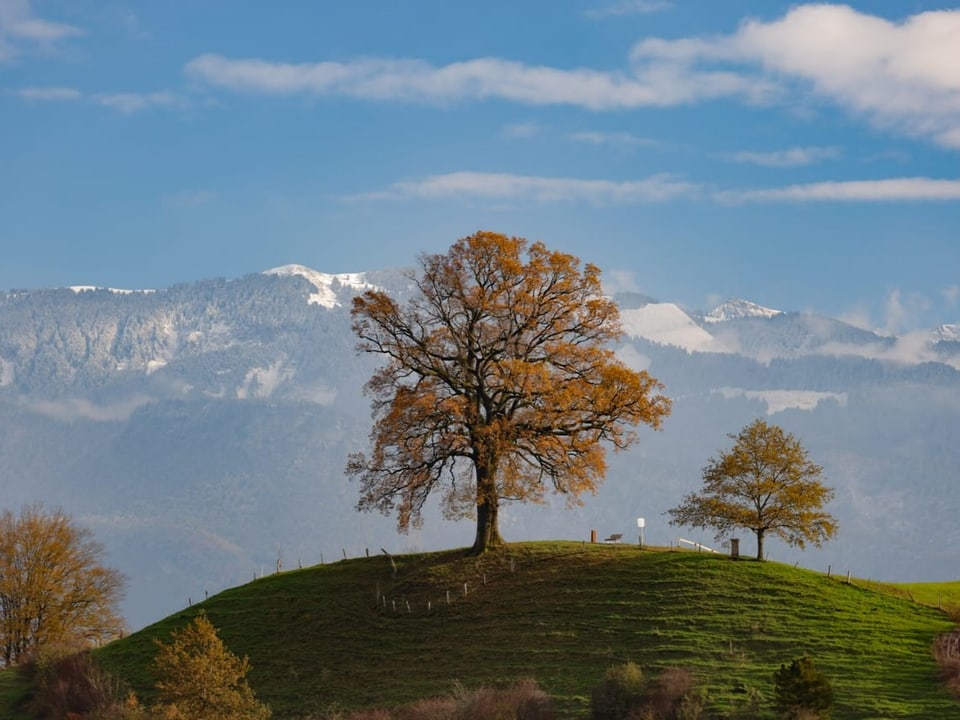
x=53 y=589
x=498 y=383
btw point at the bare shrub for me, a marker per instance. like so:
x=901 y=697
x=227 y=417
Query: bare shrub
x=672 y=696
x=946 y=651
x=66 y=682
x=531 y=702
x=524 y=700
x=435 y=708
x=625 y=693
x=370 y=714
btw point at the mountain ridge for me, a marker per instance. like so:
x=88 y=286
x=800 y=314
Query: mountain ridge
x=201 y=430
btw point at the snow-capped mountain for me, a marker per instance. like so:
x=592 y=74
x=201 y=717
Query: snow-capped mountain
x=201 y=430
x=947 y=333
x=762 y=334
x=325 y=284
x=667 y=324
x=737 y=309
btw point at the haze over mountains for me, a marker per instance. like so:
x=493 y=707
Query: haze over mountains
x=201 y=430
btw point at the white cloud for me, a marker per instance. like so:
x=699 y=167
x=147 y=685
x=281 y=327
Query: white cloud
x=892 y=189
x=626 y=7
x=418 y=81
x=79 y=408
x=910 y=348
x=521 y=130
x=623 y=139
x=791 y=157
x=129 y=103
x=632 y=358
x=49 y=93
x=620 y=281
x=20 y=28
x=781 y=400
x=951 y=294
x=502 y=186
x=901 y=311
x=904 y=76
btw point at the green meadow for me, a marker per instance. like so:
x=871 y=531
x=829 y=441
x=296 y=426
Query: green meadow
x=380 y=631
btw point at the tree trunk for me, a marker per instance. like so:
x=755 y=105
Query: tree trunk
x=488 y=507
x=759 y=544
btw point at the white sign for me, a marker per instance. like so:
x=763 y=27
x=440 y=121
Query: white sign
x=641 y=522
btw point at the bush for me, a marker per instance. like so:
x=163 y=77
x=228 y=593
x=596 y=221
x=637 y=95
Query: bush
x=617 y=696
x=946 y=651
x=524 y=700
x=625 y=693
x=437 y=708
x=672 y=697
x=802 y=691
x=66 y=682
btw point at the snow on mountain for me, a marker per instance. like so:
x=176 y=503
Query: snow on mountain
x=323 y=282
x=736 y=308
x=94 y=288
x=667 y=324
x=947 y=333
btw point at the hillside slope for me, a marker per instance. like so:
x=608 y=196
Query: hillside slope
x=353 y=634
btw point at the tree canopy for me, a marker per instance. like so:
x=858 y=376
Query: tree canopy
x=498 y=383
x=53 y=587
x=765 y=483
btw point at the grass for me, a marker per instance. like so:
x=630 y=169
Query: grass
x=12 y=692
x=343 y=636
x=939 y=595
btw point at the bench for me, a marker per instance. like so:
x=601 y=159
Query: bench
x=615 y=538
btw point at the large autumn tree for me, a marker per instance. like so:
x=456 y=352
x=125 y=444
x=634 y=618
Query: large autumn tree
x=764 y=483
x=54 y=587
x=498 y=384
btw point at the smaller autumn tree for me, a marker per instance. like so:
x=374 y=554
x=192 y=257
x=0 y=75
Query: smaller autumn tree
x=765 y=483
x=54 y=588
x=198 y=678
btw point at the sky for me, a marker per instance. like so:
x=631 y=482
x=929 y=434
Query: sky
x=803 y=156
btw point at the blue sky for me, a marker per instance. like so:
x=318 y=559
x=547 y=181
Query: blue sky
x=805 y=157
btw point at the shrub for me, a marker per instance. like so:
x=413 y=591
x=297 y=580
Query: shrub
x=66 y=682
x=618 y=693
x=524 y=700
x=672 y=696
x=436 y=708
x=946 y=651
x=625 y=693
x=802 y=691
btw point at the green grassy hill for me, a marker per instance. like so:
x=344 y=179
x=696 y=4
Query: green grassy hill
x=354 y=634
